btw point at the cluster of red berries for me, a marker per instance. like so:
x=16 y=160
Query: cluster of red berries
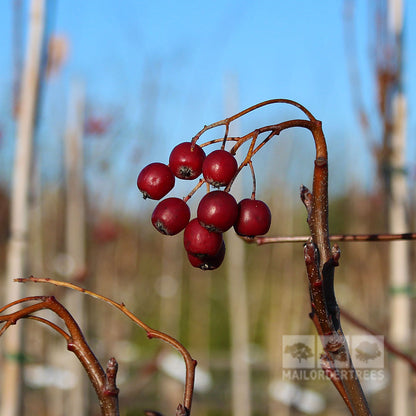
x=217 y=211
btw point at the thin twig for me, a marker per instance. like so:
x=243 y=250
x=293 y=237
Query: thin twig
x=58 y=329
x=335 y=237
x=387 y=344
x=197 y=186
x=226 y=122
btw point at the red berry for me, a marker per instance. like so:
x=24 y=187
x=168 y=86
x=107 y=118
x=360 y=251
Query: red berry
x=208 y=262
x=155 y=180
x=199 y=241
x=171 y=216
x=254 y=218
x=185 y=160
x=217 y=211
x=219 y=168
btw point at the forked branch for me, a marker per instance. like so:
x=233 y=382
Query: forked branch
x=190 y=363
x=104 y=382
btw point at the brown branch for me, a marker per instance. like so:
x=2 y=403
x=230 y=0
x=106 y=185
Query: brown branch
x=253 y=177
x=227 y=121
x=330 y=371
x=320 y=262
x=75 y=343
x=247 y=159
x=55 y=327
x=190 y=363
x=197 y=186
x=335 y=237
x=387 y=344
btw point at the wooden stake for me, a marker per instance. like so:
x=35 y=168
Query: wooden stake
x=11 y=395
x=75 y=228
x=397 y=203
x=238 y=305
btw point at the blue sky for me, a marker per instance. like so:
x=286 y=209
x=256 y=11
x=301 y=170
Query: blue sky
x=162 y=69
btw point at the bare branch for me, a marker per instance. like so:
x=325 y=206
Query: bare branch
x=336 y=237
x=75 y=343
x=190 y=363
x=320 y=261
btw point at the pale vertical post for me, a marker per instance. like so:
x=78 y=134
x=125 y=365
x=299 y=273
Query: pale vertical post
x=169 y=284
x=75 y=229
x=399 y=270
x=12 y=377
x=237 y=295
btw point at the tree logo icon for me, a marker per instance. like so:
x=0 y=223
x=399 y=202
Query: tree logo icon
x=298 y=351
x=368 y=351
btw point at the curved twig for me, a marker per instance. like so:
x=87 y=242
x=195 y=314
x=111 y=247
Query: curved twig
x=75 y=342
x=226 y=122
x=190 y=363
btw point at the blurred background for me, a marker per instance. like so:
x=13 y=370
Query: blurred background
x=91 y=92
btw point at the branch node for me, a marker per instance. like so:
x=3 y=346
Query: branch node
x=307 y=198
x=110 y=380
x=71 y=346
x=321 y=161
x=336 y=254
x=182 y=410
x=332 y=342
x=327 y=366
x=309 y=252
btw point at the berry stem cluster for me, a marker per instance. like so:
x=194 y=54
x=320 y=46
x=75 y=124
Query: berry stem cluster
x=218 y=211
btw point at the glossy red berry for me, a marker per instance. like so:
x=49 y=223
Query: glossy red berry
x=254 y=218
x=208 y=262
x=199 y=241
x=219 y=168
x=171 y=216
x=217 y=211
x=185 y=160
x=155 y=180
